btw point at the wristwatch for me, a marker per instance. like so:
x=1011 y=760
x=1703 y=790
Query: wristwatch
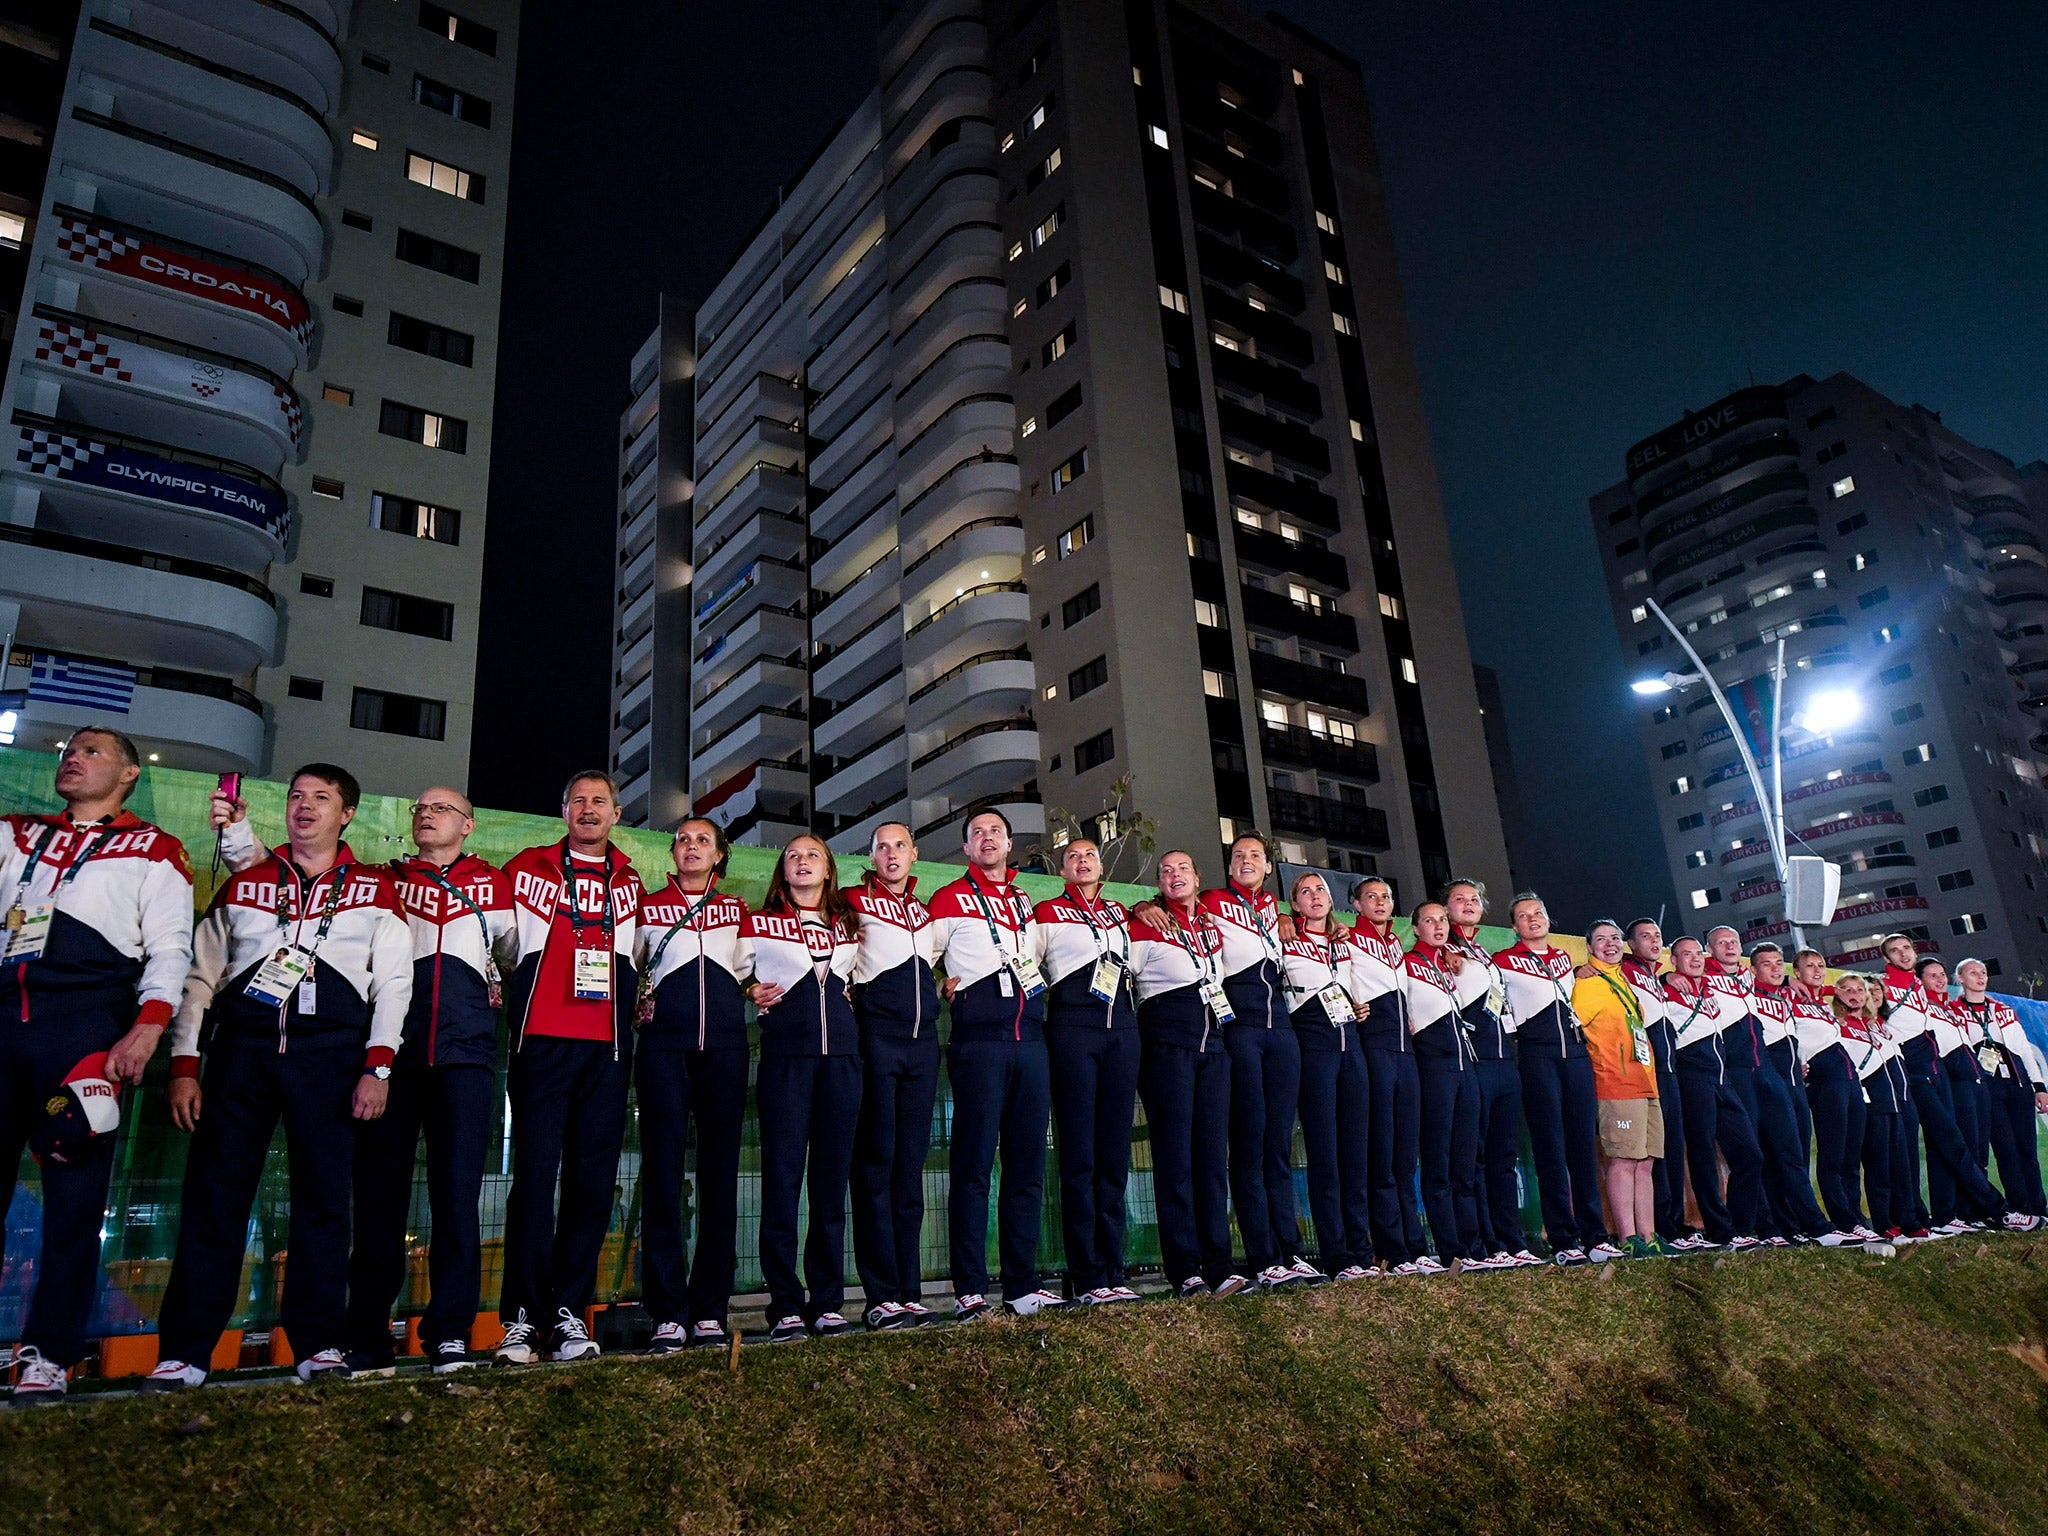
x=382 y=1074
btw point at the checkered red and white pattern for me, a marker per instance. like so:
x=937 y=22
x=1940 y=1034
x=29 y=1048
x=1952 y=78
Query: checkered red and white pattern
x=54 y=454
x=74 y=346
x=294 y=413
x=89 y=244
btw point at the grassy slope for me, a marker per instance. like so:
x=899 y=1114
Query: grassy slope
x=1786 y=1391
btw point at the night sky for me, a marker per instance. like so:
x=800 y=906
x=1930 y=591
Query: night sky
x=1604 y=217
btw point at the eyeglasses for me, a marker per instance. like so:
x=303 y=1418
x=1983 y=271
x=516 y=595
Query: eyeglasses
x=438 y=808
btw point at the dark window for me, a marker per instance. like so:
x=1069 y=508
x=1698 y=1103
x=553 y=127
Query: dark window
x=355 y=220
x=1693 y=822
x=344 y=305
x=1094 y=752
x=376 y=63
x=306 y=688
x=1056 y=348
x=1874 y=596
x=1088 y=678
x=316 y=586
x=1080 y=605
x=1956 y=881
x=332 y=489
x=1654 y=643
x=398 y=714
x=426 y=427
x=417 y=519
x=1851 y=524
x=1065 y=406
x=1820 y=418
x=1628 y=546
x=459 y=29
x=416 y=335
x=1620 y=515
x=446 y=98
x=1673 y=749
x=1896 y=674
x=1067 y=472
x=1054 y=282
x=1908 y=714
x=439 y=256
x=408 y=615
x=1933 y=795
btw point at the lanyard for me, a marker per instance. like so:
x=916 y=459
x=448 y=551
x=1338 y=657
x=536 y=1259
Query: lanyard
x=1327 y=954
x=1266 y=935
x=1095 y=928
x=577 y=922
x=1698 y=1003
x=339 y=875
x=427 y=868
x=688 y=919
x=1439 y=978
x=1184 y=939
x=989 y=916
x=70 y=871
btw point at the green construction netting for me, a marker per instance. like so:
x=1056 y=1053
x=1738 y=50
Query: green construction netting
x=141 y=1228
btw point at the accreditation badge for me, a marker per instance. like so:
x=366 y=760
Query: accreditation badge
x=593 y=978
x=1219 y=1002
x=1029 y=977
x=1991 y=1059
x=1107 y=978
x=284 y=973
x=28 y=932
x=1337 y=1004
x=1497 y=999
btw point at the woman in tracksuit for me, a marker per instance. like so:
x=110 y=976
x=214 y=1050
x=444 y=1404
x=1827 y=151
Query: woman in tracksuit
x=1490 y=1026
x=1184 y=1078
x=2015 y=1090
x=805 y=940
x=1091 y=1038
x=1834 y=1092
x=1887 y=1168
x=1959 y=1196
x=1780 y=1095
x=1450 y=1087
x=1966 y=1078
x=1336 y=1093
x=692 y=1062
x=1394 y=1122
x=1265 y=1069
x=1715 y=1118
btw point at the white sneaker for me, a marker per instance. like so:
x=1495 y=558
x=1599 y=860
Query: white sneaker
x=2015 y=1221
x=573 y=1340
x=1409 y=1267
x=1601 y=1253
x=322 y=1363
x=1863 y=1234
x=1034 y=1302
x=887 y=1316
x=1693 y=1242
x=36 y=1379
x=1429 y=1265
x=1101 y=1296
x=788 y=1330
x=516 y=1348
x=1564 y=1258
x=1742 y=1242
x=1951 y=1229
x=1524 y=1259
x=668 y=1339
x=1230 y=1285
x=1837 y=1238
x=1122 y=1293
x=1354 y=1272
x=920 y=1315
x=173 y=1376
x=1274 y=1276
x=830 y=1325
x=969 y=1307
x=450 y=1356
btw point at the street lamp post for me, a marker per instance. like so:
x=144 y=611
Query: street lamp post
x=1771 y=805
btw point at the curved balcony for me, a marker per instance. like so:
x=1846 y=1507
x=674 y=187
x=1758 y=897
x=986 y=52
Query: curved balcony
x=843 y=671
x=778 y=535
x=764 y=485
x=982 y=618
x=978 y=486
x=991 y=683
x=776 y=734
x=860 y=603
x=188 y=719
x=912 y=182
x=976 y=363
x=124 y=490
x=193 y=194
x=1839 y=826
x=981 y=760
x=1682 y=523
x=947 y=822
x=1750 y=412
x=762 y=583
x=764 y=632
x=1744 y=809
x=971 y=425
x=136 y=384
x=760 y=440
x=971 y=249
x=87 y=596
x=1857 y=912
x=1746 y=459
x=204 y=101
x=853 y=444
x=764 y=683
x=989 y=550
x=876 y=774
x=847 y=728
x=1754 y=890
x=1780 y=533
x=134 y=277
x=966 y=200
x=270 y=38
x=331 y=16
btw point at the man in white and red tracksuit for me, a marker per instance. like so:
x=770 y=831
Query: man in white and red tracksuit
x=576 y=910
x=98 y=937
x=301 y=975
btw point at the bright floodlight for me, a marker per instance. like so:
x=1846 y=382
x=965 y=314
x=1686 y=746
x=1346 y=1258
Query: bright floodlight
x=1649 y=686
x=1832 y=710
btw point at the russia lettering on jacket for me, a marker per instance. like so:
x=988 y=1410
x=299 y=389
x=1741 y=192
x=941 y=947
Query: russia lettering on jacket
x=813 y=965
x=895 y=992
x=461 y=922
x=987 y=930
x=693 y=954
x=543 y=996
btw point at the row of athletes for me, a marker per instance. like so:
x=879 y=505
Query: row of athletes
x=358 y=1004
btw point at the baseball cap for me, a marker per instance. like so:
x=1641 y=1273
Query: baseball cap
x=84 y=1109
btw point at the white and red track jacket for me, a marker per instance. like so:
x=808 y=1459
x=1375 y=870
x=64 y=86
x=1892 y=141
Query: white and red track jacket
x=1698 y=1012
x=1742 y=1036
x=1431 y=994
x=1648 y=987
x=813 y=963
x=1377 y=965
x=985 y=924
x=1870 y=1044
x=1772 y=1009
x=1174 y=966
x=361 y=978
x=2010 y=1054
x=1946 y=1024
x=692 y=956
x=1311 y=962
x=121 y=927
x=1250 y=924
x=548 y=929
x=1079 y=932
x=1814 y=1025
x=1539 y=988
x=1483 y=1003
x=895 y=993
x=1910 y=1019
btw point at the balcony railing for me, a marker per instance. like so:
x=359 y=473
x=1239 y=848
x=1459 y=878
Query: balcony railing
x=1356 y=825
x=779 y=711
x=1282 y=554
x=193 y=152
x=167 y=679
x=986 y=728
x=201 y=62
x=961 y=532
x=1317 y=685
x=1338 y=754
x=1016 y=653
x=1277 y=610
x=968 y=596
x=121 y=554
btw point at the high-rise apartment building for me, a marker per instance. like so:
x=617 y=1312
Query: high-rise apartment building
x=1904 y=569
x=650 y=726
x=250 y=389
x=1059 y=423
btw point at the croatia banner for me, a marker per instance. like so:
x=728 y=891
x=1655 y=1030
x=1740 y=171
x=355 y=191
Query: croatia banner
x=130 y=253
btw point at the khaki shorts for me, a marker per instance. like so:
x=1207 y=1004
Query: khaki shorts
x=1631 y=1128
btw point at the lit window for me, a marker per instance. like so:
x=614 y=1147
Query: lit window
x=1219 y=685
x=1273 y=712
x=1843 y=486
x=1038 y=555
x=1246 y=517
x=1030 y=426
x=1051 y=163
x=1923 y=753
x=1344 y=325
x=1052 y=690
x=1290 y=533
x=1637 y=614
x=1077 y=536
x=1705 y=898
x=1681 y=785
x=1019 y=307
x=1636 y=579
x=1067 y=473
x=362 y=138
x=1972 y=922
x=1008 y=140
x=1407 y=669
x=1333 y=272
x=1047 y=227
x=1226 y=829
x=1889 y=634
x=1156 y=134
x=1225 y=342
x=1173 y=299
x=1037 y=119
x=1016 y=250
x=443 y=177
x=1325 y=223
x=1697 y=859
x=1357 y=430
x=1390 y=605
x=1137 y=75
x=337 y=394
x=1298 y=80
x=1208 y=614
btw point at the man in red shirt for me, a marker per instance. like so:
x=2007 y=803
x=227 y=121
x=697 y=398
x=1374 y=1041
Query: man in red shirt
x=575 y=910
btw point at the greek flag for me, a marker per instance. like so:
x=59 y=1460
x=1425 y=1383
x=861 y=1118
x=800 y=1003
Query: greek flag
x=89 y=684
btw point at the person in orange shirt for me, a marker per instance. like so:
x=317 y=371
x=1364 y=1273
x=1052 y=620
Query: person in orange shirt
x=1625 y=1083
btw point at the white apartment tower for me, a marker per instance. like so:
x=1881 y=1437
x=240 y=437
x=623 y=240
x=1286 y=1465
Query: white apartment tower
x=249 y=393
x=1902 y=565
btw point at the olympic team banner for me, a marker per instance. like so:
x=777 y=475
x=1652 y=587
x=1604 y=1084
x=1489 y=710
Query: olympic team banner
x=129 y=253
x=76 y=345
x=80 y=460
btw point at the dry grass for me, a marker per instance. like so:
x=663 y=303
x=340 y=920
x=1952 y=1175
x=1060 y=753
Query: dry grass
x=1808 y=1391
